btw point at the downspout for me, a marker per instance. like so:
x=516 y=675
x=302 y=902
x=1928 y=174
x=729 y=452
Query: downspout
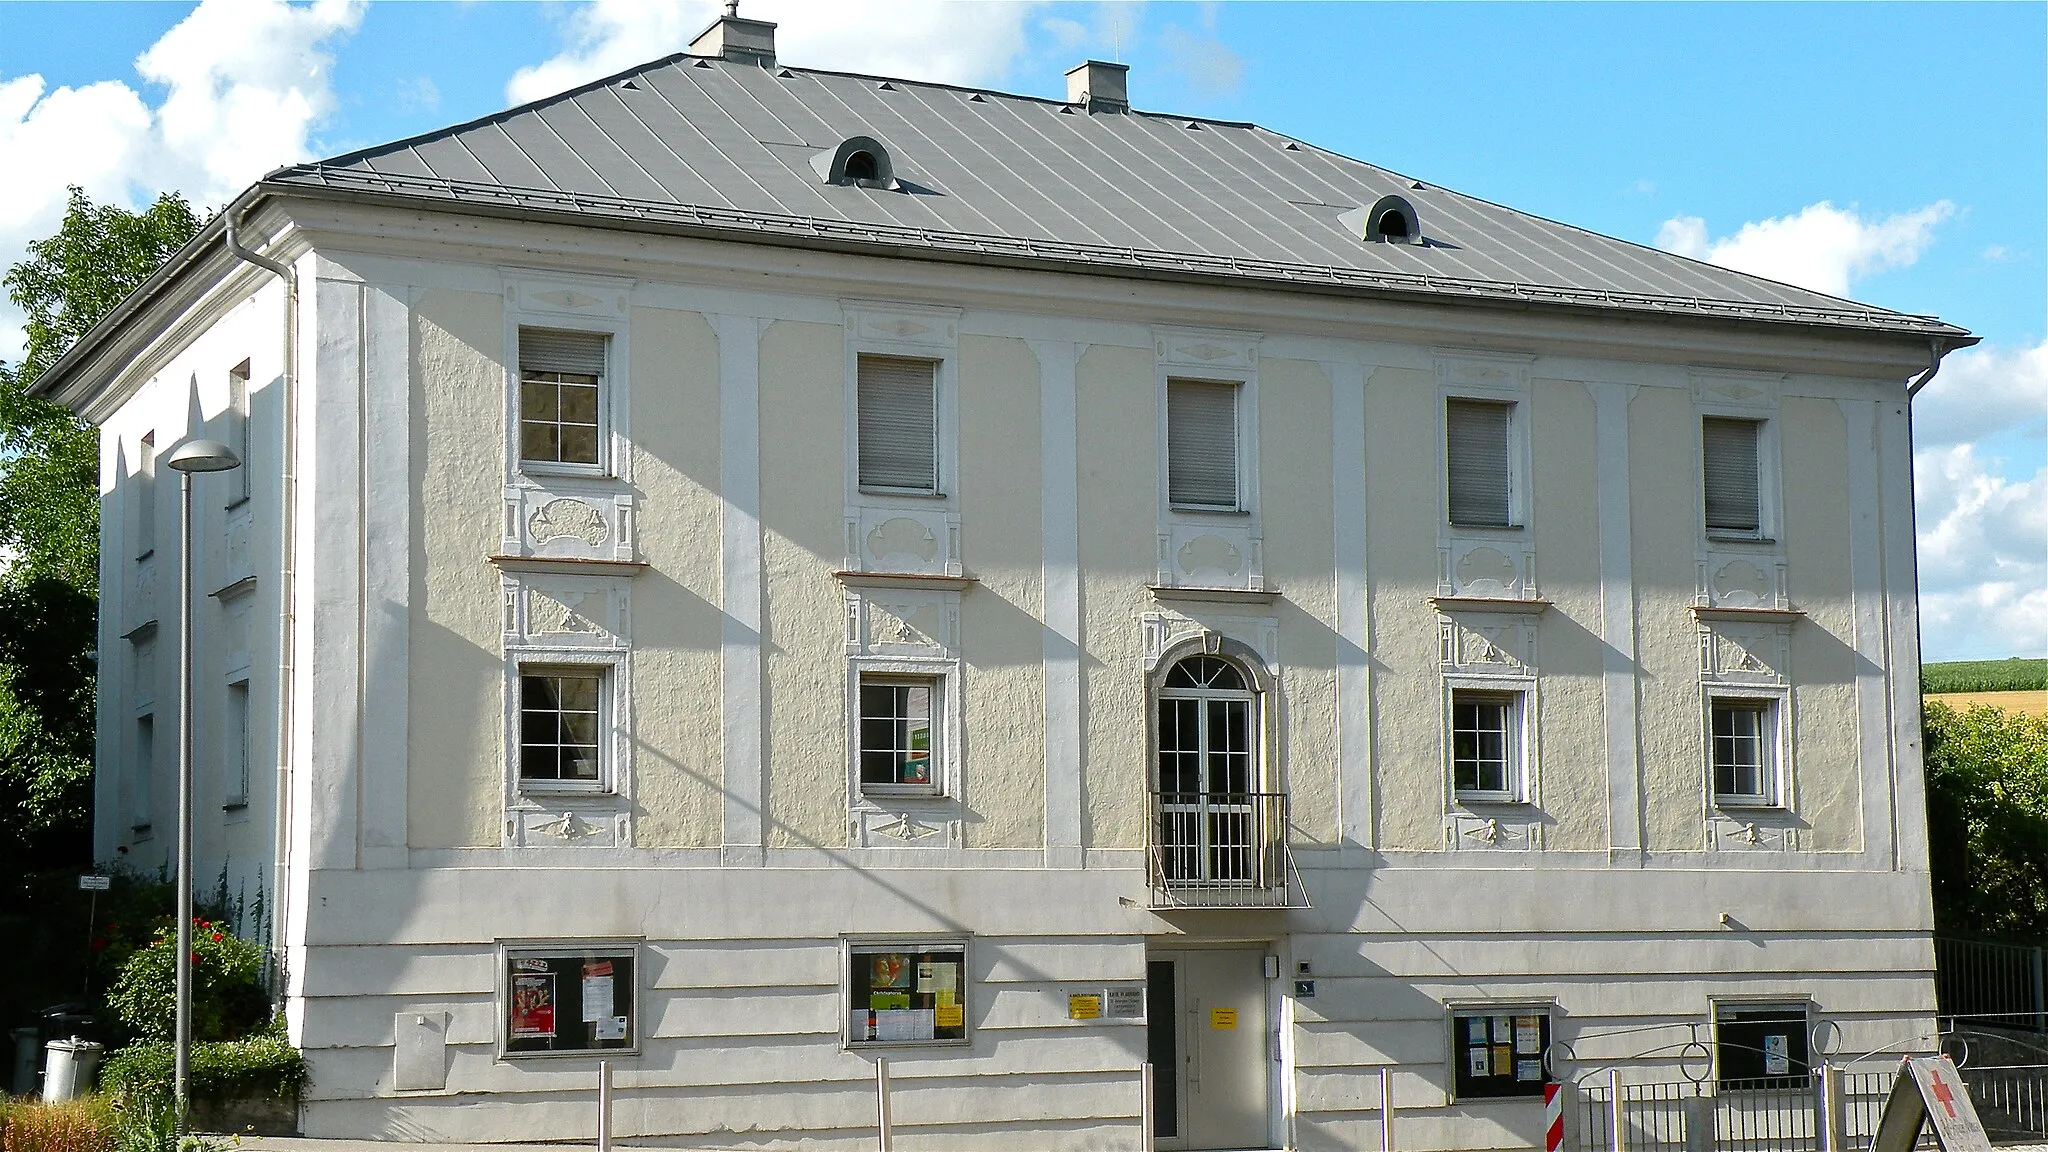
x=1936 y=349
x=287 y=588
x=1935 y=353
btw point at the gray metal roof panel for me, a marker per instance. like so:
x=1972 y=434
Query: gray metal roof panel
x=712 y=143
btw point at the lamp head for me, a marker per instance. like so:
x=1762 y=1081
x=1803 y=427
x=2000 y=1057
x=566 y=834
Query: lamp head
x=203 y=456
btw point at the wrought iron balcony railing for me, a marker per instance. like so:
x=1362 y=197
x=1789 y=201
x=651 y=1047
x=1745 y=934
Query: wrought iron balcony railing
x=1220 y=850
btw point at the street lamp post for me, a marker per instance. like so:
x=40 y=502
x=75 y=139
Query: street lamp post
x=192 y=456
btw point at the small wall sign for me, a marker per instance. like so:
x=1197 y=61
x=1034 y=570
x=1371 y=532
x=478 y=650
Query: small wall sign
x=1223 y=1019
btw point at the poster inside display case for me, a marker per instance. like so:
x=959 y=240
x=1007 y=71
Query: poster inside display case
x=907 y=994
x=564 y=1000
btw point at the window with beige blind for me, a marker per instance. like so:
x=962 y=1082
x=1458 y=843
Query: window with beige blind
x=1478 y=464
x=1729 y=469
x=897 y=424
x=561 y=399
x=1201 y=445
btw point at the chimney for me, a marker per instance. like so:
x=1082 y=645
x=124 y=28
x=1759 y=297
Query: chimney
x=1099 y=87
x=738 y=40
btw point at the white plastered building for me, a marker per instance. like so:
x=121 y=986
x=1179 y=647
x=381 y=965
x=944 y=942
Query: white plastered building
x=744 y=571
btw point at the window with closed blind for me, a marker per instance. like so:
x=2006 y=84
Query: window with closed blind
x=561 y=398
x=897 y=423
x=1478 y=464
x=1201 y=444
x=1728 y=455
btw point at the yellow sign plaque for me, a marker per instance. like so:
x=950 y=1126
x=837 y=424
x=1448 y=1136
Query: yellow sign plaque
x=1084 y=1006
x=1223 y=1019
x=949 y=1016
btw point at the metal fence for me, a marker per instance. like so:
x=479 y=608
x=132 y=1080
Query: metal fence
x=1686 y=1117
x=2012 y=1101
x=1994 y=985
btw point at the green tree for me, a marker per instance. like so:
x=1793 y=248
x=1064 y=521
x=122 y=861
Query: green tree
x=1987 y=821
x=49 y=521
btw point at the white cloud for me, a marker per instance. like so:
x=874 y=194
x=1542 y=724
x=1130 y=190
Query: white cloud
x=245 y=82
x=926 y=39
x=1208 y=64
x=1821 y=247
x=1984 y=391
x=1983 y=557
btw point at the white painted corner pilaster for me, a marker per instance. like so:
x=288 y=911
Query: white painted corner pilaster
x=386 y=554
x=1618 y=689
x=1356 y=825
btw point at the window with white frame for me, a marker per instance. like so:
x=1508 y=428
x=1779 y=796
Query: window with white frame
x=237 y=485
x=235 y=752
x=897 y=424
x=142 y=776
x=1745 y=751
x=906 y=992
x=145 y=496
x=1729 y=457
x=900 y=748
x=561 y=398
x=1201 y=444
x=562 y=725
x=1478 y=462
x=1486 y=745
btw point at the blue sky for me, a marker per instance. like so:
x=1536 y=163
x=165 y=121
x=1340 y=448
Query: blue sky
x=1892 y=151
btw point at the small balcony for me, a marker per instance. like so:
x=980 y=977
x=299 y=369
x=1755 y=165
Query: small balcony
x=1220 y=850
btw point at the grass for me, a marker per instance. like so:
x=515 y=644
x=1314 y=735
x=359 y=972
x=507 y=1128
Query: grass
x=86 y=1124
x=2014 y=675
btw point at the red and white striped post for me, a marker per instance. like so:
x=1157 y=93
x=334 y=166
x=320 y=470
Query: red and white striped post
x=1553 y=1118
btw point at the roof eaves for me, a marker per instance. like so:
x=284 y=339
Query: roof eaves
x=727 y=223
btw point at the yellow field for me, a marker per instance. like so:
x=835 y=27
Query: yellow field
x=2032 y=701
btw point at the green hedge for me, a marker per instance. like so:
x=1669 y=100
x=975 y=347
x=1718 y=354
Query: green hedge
x=263 y=1065
x=2014 y=675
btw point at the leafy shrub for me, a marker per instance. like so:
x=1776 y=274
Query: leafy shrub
x=82 y=1125
x=227 y=986
x=266 y=1064
x=2014 y=675
x=1987 y=822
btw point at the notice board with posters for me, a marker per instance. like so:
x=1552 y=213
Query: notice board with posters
x=560 y=1001
x=1498 y=1050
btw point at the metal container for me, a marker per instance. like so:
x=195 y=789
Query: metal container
x=69 y=1070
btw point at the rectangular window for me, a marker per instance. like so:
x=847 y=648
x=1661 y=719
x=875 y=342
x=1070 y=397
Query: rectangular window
x=1486 y=754
x=568 y=999
x=896 y=402
x=1760 y=1045
x=899 y=733
x=560 y=380
x=238 y=433
x=1201 y=444
x=235 y=756
x=561 y=720
x=1745 y=742
x=1728 y=454
x=905 y=993
x=145 y=496
x=1498 y=1050
x=1477 y=464
x=142 y=776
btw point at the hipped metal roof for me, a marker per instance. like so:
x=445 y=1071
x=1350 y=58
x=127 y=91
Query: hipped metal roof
x=725 y=147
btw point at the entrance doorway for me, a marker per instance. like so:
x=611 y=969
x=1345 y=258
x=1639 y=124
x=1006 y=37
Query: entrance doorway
x=1207 y=1042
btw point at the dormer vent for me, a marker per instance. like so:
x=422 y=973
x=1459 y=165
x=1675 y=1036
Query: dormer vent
x=739 y=40
x=859 y=160
x=1392 y=220
x=1099 y=87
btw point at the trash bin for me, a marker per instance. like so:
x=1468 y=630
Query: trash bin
x=69 y=1069
x=28 y=1051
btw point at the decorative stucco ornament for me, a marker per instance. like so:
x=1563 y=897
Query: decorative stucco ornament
x=568 y=826
x=565 y=517
x=907 y=828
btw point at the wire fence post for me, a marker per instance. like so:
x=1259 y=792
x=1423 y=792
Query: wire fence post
x=1386 y=1110
x=604 y=1106
x=1834 y=1128
x=1617 y=1136
x=1145 y=1097
x=882 y=1120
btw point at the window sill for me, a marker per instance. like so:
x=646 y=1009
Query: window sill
x=901 y=792
x=538 y=792
x=1490 y=800
x=901 y=493
x=1745 y=804
x=1489 y=604
x=1464 y=526
x=905 y=580
x=1718 y=537
x=573 y=471
x=1208 y=510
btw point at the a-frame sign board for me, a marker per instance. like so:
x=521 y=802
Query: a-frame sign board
x=1928 y=1088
